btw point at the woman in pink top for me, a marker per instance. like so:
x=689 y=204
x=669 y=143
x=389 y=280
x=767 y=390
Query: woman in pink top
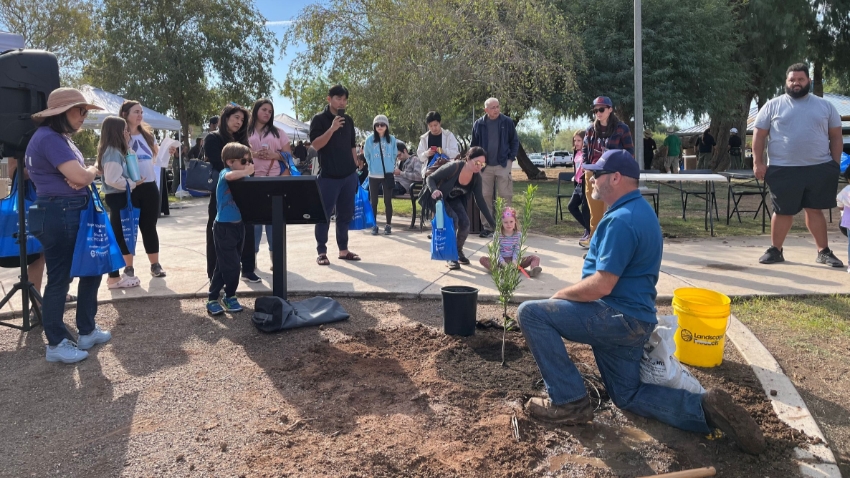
x=267 y=142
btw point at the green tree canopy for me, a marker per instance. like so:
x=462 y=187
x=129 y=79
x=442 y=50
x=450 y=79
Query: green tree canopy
x=188 y=57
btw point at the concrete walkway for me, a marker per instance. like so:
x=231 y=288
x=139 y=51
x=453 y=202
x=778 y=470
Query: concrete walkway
x=399 y=265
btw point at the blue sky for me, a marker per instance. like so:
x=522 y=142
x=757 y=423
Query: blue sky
x=279 y=14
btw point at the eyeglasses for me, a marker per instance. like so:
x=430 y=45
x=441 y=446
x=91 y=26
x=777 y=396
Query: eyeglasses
x=83 y=111
x=598 y=174
x=380 y=125
x=245 y=161
x=480 y=164
x=599 y=110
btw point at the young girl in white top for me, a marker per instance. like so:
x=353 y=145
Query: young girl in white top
x=843 y=200
x=509 y=246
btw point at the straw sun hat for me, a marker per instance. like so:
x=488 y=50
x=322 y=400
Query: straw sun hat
x=63 y=99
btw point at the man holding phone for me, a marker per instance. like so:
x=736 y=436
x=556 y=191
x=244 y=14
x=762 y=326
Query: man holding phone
x=332 y=135
x=435 y=140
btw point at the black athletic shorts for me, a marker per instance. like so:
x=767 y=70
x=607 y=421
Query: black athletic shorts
x=793 y=188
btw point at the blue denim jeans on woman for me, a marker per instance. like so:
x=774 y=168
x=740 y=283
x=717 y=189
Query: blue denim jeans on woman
x=617 y=341
x=54 y=221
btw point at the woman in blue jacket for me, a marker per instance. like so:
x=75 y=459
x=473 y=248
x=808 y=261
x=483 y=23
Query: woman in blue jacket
x=380 y=152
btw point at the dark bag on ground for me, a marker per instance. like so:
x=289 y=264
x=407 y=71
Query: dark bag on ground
x=273 y=314
x=200 y=176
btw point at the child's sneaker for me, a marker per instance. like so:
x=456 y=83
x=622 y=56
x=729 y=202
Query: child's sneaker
x=214 y=308
x=535 y=271
x=231 y=304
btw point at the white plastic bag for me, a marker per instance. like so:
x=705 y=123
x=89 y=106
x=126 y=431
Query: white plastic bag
x=658 y=365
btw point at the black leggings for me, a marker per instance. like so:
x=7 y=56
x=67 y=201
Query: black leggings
x=146 y=198
x=578 y=207
x=115 y=202
x=389 y=185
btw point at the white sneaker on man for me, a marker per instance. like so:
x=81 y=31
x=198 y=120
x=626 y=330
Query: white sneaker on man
x=98 y=336
x=65 y=352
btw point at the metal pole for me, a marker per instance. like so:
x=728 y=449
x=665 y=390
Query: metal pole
x=638 y=133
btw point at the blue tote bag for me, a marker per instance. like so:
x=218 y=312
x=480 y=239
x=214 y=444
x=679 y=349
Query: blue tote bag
x=443 y=237
x=96 y=251
x=289 y=161
x=363 y=216
x=130 y=223
x=9 y=246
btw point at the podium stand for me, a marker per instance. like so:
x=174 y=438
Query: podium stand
x=278 y=201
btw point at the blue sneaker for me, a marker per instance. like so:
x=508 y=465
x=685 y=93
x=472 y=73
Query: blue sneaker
x=231 y=304
x=214 y=308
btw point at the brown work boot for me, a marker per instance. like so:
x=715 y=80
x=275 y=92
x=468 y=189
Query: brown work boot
x=722 y=412
x=572 y=413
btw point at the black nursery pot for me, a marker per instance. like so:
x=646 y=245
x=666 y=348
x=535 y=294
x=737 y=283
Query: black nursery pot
x=460 y=305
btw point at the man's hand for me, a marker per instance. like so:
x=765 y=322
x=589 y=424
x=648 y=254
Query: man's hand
x=338 y=123
x=759 y=170
x=430 y=153
x=397 y=172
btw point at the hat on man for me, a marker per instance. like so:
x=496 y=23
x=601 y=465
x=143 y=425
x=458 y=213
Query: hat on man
x=734 y=130
x=647 y=133
x=602 y=101
x=670 y=129
x=616 y=161
x=63 y=99
x=381 y=119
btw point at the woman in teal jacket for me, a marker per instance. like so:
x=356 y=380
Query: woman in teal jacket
x=380 y=152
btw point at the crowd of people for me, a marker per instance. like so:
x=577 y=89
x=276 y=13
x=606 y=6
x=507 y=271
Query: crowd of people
x=612 y=307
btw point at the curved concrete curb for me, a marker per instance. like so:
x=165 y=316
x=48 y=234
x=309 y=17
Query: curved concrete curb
x=817 y=460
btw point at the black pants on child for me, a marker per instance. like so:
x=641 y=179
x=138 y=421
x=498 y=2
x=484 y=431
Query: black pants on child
x=229 y=238
x=578 y=207
x=249 y=259
x=115 y=202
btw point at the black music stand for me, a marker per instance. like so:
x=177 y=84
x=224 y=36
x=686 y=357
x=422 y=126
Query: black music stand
x=279 y=201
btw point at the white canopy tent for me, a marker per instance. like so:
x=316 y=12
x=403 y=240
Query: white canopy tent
x=296 y=130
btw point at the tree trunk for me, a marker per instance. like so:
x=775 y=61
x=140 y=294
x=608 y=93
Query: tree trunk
x=530 y=170
x=719 y=128
x=817 y=78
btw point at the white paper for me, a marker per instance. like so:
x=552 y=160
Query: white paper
x=162 y=156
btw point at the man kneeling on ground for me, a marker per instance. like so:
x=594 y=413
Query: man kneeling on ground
x=613 y=310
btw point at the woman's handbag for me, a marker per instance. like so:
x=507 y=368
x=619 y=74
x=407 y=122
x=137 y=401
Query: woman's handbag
x=200 y=176
x=443 y=237
x=363 y=216
x=9 y=226
x=96 y=251
x=130 y=223
x=288 y=162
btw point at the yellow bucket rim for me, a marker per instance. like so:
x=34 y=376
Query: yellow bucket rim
x=688 y=300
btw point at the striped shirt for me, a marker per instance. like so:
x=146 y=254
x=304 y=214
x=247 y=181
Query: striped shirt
x=509 y=248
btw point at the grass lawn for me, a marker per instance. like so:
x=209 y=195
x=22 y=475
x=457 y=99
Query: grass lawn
x=804 y=322
x=670 y=214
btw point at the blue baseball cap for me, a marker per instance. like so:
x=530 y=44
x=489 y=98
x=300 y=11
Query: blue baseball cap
x=616 y=161
x=602 y=101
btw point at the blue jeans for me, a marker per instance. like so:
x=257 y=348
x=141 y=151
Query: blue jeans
x=617 y=342
x=54 y=221
x=258 y=235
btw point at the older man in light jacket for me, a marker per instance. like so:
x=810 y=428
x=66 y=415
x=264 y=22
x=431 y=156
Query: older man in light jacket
x=436 y=137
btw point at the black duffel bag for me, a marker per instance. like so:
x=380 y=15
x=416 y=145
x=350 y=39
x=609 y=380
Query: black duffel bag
x=273 y=314
x=200 y=176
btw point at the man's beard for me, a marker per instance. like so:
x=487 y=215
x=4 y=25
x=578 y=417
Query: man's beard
x=798 y=94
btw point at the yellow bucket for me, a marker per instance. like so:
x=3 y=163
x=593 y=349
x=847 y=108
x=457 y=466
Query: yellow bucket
x=703 y=318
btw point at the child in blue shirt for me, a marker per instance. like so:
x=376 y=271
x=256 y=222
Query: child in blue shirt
x=228 y=230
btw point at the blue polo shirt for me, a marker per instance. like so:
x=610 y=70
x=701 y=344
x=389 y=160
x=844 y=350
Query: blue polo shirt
x=628 y=244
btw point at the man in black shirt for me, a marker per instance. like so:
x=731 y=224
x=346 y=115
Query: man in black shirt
x=735 y=154
x=196 y=150
x=332 y=135
x=649 y=149
x=300 y=152
x=706 y=144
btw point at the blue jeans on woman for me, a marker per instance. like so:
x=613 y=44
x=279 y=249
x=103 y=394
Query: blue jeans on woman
x=617 y=341
x=258 y=236
x=54 y=221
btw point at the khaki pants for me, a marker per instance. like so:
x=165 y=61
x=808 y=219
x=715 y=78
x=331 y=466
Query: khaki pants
x=498 y=178
x=671 y=164
x=704 y=161
x=597 y=207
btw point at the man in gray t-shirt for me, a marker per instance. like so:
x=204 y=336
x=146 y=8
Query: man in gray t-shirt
x=803 y=135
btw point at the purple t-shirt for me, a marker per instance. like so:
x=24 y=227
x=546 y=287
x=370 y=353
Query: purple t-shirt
x=46 y=151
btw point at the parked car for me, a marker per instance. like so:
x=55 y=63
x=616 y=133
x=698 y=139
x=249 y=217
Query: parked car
x=537 y=159
x=561 y=158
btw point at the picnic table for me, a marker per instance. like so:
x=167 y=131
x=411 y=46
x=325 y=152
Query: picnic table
x=708 y=179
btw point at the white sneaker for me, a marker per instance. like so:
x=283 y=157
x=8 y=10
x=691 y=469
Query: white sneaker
x=65 y=352
x=98 y=336
x=126 y=282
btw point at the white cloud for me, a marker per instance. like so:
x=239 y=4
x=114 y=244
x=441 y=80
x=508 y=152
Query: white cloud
x=280 y=23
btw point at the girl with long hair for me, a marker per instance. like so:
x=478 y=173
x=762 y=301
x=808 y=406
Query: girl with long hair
x=146 y=196
x=61 y=178
x=578 y=204
x=112 y=160
x=267 y=143
x=380 y=152
x=606 y=132
x=232 y=128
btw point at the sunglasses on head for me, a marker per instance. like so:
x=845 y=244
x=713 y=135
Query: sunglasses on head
x=598 y=174
x=600 y=110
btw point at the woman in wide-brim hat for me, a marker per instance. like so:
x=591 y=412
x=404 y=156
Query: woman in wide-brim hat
x=60 y=175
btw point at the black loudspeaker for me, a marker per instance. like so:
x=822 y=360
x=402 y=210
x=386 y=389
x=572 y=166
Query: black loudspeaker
x=27 y=77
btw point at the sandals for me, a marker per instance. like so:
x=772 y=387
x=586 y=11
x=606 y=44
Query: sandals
x=350 y=256
x=322 y=260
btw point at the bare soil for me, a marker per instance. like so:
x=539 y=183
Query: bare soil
x=385 y=393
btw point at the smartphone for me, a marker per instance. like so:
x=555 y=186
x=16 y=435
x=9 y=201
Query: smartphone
x=340 y=111
x=434 y=149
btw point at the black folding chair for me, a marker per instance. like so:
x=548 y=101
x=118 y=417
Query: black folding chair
x=559 y=209
x=700 y=193
x=760 y=189
x=653 y=193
